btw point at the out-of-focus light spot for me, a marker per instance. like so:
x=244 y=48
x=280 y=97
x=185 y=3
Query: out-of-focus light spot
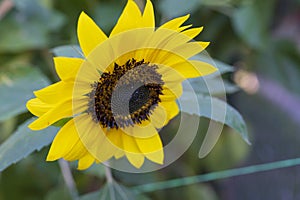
x=248 y=81
x=5 y=7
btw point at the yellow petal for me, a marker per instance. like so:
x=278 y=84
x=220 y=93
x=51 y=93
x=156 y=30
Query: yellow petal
x=60 y=111
x=143 y=130
x=115 y=138
x=193 y=32
x=170 y=89
x=129 y=144
x=174 y=24
x=132 y=151
x=66 y=144
x=67 y=68
x=149 y=145
x=157 y=157
x=37 y=107
x=203 y=68
x=182 y=28
x=85 y=162
x=204 y=44
x=159 y=117
x=165 y=56
x=190 y=49
x=170 y=39
x=169 y=95
x=130 y=18
x=194 y=68
x=89 y=34
x=124 y=46
x=187 y=70
x=94 y=138
x=106 y=150
x=137 y=160
x=164 y=40
x=152 y=148
x=87 y=75
x=171 y=109
x=55 y=93
x=170 y=75
x=148 y=15
x=119 y=154
x=76 y=152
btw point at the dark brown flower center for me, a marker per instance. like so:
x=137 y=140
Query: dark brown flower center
x=125 y=96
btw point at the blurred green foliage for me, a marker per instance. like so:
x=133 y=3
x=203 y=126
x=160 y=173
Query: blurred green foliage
x=258 y=36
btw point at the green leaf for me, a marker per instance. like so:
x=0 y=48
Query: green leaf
x=23 y=142
x=73 y=51
x=17 y=85
x=210 y=86
x=24 y=27
x=213 y=176
x=113 y=191
x=216 y=110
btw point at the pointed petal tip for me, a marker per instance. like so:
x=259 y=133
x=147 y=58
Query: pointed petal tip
x=119 y=154
x=137 y=160
x=156 y=157
x=81 y=168
x=34 y=127
x=51 y=158
x=204 y=44
x=212 y=69
x=89 y=33
x=82 y=13
x=160 y=162
x=148 y=15
x=30 y=126
x=137 y=165
x=84 y=166
x=34 y=92
x=28 y=105
x=38 y=124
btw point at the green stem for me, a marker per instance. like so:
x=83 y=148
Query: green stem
x=68 y=178
x=216 y=175
x=108 y=175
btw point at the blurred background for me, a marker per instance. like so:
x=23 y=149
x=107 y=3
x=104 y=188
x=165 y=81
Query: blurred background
x=260 y=39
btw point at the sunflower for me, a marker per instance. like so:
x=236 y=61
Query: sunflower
x=124 y=90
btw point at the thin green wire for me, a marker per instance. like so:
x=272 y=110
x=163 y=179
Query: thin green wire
x=150 y=187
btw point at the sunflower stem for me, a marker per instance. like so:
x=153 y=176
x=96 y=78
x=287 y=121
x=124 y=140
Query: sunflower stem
x=108 y=174
x=213 y=176
x=68 y=178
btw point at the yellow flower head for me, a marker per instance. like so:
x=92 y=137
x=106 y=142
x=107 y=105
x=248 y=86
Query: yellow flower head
x=122 y=92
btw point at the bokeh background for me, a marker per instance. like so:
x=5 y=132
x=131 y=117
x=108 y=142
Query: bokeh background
x=260 y=39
